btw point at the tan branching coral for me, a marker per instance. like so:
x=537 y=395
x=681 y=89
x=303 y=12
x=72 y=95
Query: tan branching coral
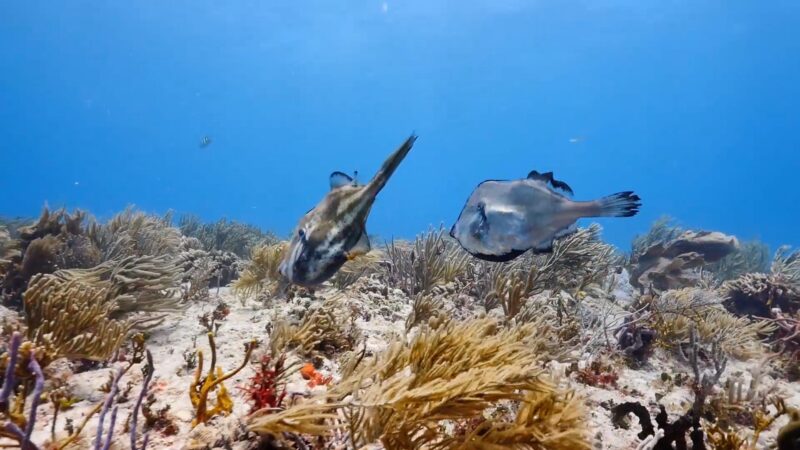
x=135 y=233
x=213 y=382
x=424 y=308
x=8 y=249
x=362 y=266
x=261 y=272
x=135 y=283
x=675 y=313
x=431 y=260
x=787 y=264
x=757 y=293
x=72 y=319
x=327 y=329
x=550 y=420
x=225 y=235
x=404 y=396
x=576 y=262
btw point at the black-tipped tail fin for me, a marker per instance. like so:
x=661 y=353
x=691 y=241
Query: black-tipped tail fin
x=621 y=204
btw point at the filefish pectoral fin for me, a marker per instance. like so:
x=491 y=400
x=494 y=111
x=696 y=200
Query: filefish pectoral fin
x=363 y=246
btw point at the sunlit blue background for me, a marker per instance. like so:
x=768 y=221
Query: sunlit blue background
x=693 y=104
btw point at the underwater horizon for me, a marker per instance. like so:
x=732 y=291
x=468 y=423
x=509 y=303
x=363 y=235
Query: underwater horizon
x=692 y=105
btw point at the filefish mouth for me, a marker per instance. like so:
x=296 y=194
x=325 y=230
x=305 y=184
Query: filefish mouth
x=453 y=231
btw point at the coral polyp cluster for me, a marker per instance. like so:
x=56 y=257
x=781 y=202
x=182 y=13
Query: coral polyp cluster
x=135 y=333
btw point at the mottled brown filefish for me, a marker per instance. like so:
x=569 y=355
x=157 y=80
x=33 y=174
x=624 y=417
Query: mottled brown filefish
x=335 y=230
x=503 y=219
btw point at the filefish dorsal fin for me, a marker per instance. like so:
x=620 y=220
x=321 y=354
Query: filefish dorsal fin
x=339 y=179
x=552 y=183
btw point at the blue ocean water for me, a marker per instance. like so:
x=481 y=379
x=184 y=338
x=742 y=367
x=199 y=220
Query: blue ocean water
x=695 y=105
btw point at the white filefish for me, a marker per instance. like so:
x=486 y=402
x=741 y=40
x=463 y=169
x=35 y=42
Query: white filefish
x=503 y=219
x=334 y=231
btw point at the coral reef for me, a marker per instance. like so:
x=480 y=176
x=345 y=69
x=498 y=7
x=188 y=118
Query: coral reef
x=413 y=346
x=17 y=426
x=225 y=236
x=576 y=262
x=8 y=249
x=663 y=230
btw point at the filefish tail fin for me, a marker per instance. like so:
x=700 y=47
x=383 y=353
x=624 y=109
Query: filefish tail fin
x=621 y=204
x=389 y=166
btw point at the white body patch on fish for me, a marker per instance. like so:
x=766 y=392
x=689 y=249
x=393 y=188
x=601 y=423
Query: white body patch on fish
x=335 y=230
x=503 y=219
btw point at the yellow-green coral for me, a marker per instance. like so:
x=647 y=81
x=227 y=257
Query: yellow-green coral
x=404 y=396
x=134 y=233
x=431 y=260
x=72 y=318
x=261 y=272
x=674 y=312
x=134 y=283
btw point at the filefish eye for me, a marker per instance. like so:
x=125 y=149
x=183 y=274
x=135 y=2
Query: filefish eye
x=302 y=234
